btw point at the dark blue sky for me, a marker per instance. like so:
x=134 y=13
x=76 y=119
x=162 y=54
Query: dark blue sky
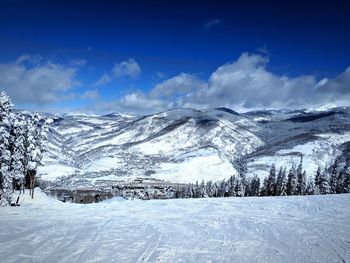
x=166 y=38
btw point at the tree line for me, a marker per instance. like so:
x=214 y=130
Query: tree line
x=332 y=180
x=22 y=144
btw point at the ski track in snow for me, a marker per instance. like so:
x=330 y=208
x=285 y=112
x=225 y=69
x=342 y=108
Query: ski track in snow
x=256 y=229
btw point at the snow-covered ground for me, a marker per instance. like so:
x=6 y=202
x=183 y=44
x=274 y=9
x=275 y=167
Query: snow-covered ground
x=202 y=165
x=317 y=153
x=275 y=229
x=186 y=145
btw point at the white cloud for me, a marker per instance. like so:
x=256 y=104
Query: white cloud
x=180 y=84
x=90 y=95
x=213 y=22
x=340 y=85
x=27 y=80
x=105 y=79
x=246 y=82
x=127 y=68
x=243 y=84
x=33 y=59
x=140 y=101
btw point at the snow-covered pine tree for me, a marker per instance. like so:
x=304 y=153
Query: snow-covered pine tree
x=17 y=156
x=209 y=189
x=333 y=180
x=292 y=182
x=245 y=183
x=281 y=182
x=239 y=187
x=303 y=183
x=38 y=128
x=231 y=185
x=5 y=153
x=222 y=188
x=301 y=178
x=344 y=177
x=263 y=190
x=346 y=181
x=196 y=189
x=310 y=186
x=317 y=181
x=255 y=186
x=324 y=183
x=215 y=190
x=203 y=190
x=271 y=182
x=248 y=187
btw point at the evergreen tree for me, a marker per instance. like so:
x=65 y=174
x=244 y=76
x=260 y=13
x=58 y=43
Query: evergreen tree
x=248 y=187
x=216 y=190
x=255 y=186
x=344 y=183
x=317 y=181
x=245 y=183
x=310 y=186
x=18 y=153
x=37 y=128
x=301 y=178
x=324 y=183
x=263 y=191
x=203 y=190
x=231 y=185
x=222 y=188
x=271 y=182
x=292 y=182
x=6 y=118
x=281 y=182
x=197 y=192
x=333 y=181
x=209 y=189
x=239 y=187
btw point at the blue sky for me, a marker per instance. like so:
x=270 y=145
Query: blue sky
x=147 y=56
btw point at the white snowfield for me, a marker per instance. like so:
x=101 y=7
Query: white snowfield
x=257 y=229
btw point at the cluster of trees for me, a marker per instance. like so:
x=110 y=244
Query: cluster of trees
x=333 y=180
x=22 y=143
x=235 y=186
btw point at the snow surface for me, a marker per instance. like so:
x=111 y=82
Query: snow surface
x=111 y=147
x=256 y=229
x=52 y=171
x=202 y=165
x=114 y=145
x=320 y=152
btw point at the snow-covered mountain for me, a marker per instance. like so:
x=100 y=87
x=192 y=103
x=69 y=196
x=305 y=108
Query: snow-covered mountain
x=186 y=145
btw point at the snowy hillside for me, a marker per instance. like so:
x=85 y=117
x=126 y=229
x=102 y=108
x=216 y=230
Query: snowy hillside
x=252 y=229
x=185 y=145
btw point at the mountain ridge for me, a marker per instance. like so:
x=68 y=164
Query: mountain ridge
x=188 y=145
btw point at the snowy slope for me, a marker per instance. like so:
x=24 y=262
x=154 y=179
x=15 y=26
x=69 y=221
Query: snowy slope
x=186 y=145
x=180 y=145
x=256 y=229
x=319 y=137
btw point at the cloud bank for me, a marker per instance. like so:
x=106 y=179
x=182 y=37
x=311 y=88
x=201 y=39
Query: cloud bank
x=242 y=84
x=30 y=80
x=127 y=68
